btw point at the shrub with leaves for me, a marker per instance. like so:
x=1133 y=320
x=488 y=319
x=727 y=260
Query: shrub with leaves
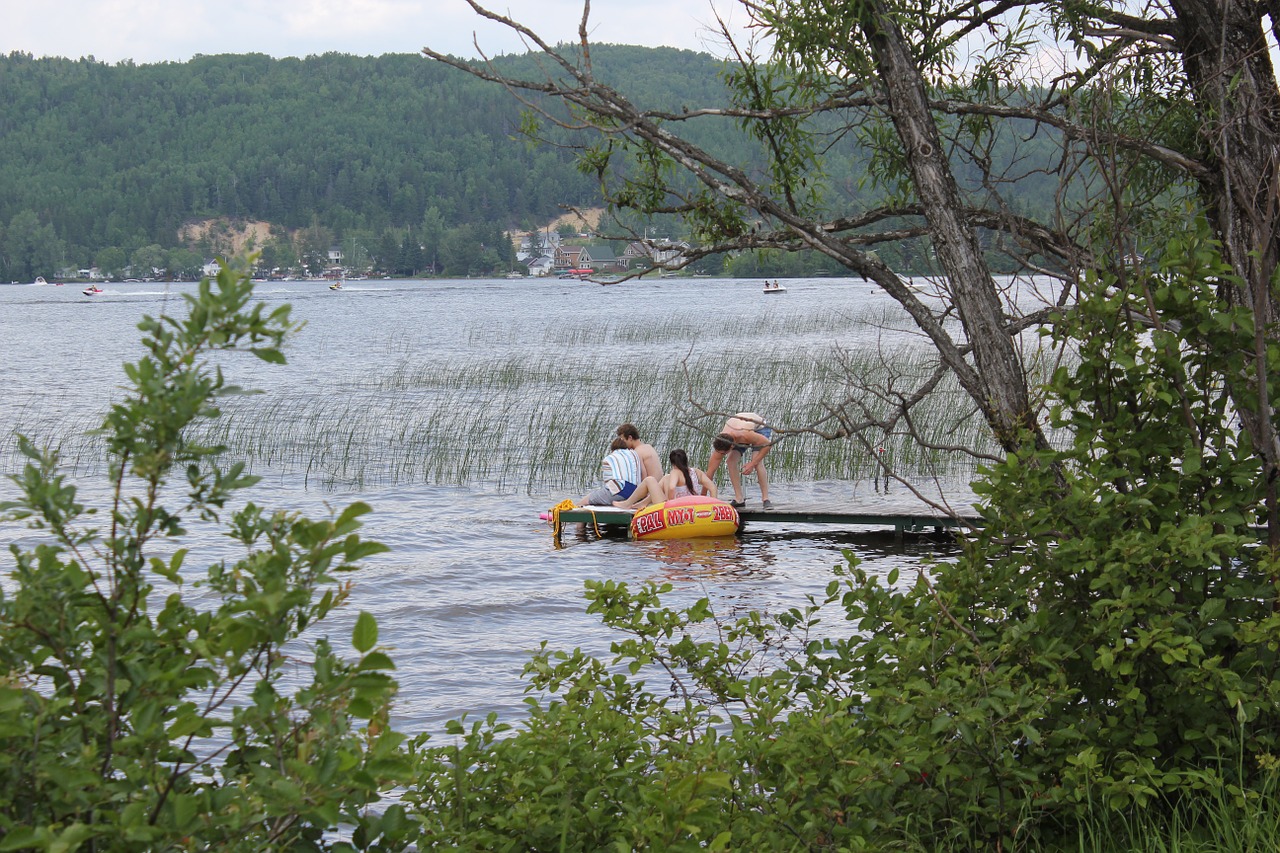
x=144 y=706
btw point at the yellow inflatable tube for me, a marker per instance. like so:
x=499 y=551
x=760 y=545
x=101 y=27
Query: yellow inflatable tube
x=691 y=517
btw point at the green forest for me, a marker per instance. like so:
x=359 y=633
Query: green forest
x=101 y=165
x=407 y=165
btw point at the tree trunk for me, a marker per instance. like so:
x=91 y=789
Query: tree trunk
x=1003 y=395
x=1228 y=65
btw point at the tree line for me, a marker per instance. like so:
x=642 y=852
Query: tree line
x=102 y=164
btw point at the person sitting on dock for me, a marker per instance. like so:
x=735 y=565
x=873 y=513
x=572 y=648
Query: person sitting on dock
x=675 y=484
x=745 y=431
x=684 y=481
x=622 y=475
x=648 y=456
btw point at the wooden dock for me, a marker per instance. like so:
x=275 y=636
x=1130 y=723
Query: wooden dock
x=916 y=520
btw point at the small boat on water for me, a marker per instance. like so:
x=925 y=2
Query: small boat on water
x=92 y=290
x=775 y=287
x=39 y=280
x=337 y=285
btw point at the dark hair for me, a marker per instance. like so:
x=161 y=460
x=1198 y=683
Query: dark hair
x=629 y=431
x=617 y=444
x=722 y=442
x=680 y=459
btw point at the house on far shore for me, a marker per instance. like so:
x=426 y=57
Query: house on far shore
x=659 y=253
x=598 y=258
x=541 y=266
x=602 y=259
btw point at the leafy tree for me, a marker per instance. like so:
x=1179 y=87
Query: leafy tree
x=279 y=254
x=147 y=707
x=460 y=252
x=410 y=259
x=184 y=264
x=30 y=248
x=433 y=227
x=147 y=259
x=1147 y=129
x=111 y=260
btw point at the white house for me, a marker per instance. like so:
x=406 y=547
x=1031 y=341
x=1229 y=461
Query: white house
x=541 y=266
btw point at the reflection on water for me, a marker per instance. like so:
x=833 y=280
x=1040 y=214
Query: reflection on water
x=722 y=560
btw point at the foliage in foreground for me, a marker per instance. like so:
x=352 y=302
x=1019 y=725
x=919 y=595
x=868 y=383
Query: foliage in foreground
x=1099 y=663
x=143 y=709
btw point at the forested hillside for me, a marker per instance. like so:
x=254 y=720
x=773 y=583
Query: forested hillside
x=406 y=164
x=95 y=156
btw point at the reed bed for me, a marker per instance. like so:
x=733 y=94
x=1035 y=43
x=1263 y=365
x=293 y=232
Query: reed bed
x=537 y=415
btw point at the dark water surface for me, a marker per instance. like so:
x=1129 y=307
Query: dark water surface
x=474 y=579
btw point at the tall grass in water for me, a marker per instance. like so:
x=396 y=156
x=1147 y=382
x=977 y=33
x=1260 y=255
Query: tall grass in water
x=538 y=415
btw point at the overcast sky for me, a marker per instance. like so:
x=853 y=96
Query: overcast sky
x=149 y=31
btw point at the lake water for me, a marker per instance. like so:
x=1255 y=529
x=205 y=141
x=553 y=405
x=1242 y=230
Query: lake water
x=474 y=579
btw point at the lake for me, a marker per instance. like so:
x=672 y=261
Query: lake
x=461 y=409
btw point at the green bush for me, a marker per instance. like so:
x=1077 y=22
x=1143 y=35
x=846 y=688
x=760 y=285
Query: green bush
x=143 y=710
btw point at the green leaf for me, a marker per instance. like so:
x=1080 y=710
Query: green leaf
x=23 y=838
x=376 y=660
x=365 y=634
x=269 y=354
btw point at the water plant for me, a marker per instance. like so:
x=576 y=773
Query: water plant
x=537 y=416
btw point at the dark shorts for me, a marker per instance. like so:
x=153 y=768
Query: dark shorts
x=744 y=449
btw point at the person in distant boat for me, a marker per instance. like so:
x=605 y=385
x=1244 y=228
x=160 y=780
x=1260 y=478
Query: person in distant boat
x=682 y=481
x=744 y=432
x=621 y=473
x=649 y=460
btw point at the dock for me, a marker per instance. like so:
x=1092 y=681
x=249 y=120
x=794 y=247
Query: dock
x=912 y=520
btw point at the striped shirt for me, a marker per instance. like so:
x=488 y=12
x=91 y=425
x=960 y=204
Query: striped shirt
x=623 y=466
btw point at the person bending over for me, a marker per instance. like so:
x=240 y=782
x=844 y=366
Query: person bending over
x=742 y=432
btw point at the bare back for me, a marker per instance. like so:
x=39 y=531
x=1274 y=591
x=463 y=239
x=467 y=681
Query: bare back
x=648 y=460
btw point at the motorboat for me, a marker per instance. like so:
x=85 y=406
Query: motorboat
x=92 y=290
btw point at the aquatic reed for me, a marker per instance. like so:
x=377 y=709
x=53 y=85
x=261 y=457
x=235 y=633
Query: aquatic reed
x=538 y=416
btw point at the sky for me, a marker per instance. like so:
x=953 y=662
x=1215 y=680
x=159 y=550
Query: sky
x=149 y=31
